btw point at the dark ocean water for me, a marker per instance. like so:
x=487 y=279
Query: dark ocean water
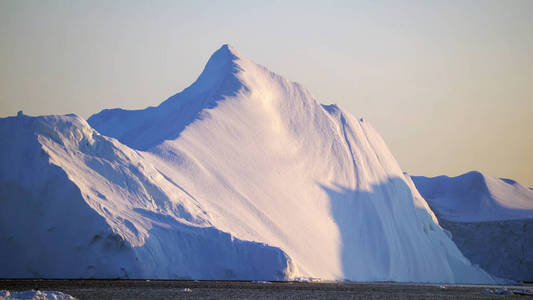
x=172 y=289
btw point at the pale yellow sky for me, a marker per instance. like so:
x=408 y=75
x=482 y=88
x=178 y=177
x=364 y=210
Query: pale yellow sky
x=449 y=84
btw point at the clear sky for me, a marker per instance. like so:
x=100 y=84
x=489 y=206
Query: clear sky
x=448 y=84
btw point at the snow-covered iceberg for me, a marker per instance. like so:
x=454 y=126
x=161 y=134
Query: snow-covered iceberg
x=491 y=220
x=243 y=175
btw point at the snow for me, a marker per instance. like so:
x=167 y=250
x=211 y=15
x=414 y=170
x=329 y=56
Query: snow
x=34 y=295
x=476 y=197
x=243 y=175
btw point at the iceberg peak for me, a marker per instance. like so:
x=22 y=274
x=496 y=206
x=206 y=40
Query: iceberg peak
x=225 y=54
x=222 y=63
x=229 y=49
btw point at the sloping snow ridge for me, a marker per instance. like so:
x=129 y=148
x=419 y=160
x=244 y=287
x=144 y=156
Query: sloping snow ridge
x=243 y=175
x=476 y=197
x=79 y=204
x=491 y=220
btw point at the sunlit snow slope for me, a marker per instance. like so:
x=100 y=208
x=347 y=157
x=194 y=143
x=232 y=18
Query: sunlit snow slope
x=243 y=175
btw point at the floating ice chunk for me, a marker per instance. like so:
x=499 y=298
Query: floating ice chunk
x=35 y=295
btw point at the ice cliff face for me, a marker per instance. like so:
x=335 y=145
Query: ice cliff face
x=242 y=175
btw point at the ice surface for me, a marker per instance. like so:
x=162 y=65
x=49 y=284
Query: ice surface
x=243 y=175
x=502 y=248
